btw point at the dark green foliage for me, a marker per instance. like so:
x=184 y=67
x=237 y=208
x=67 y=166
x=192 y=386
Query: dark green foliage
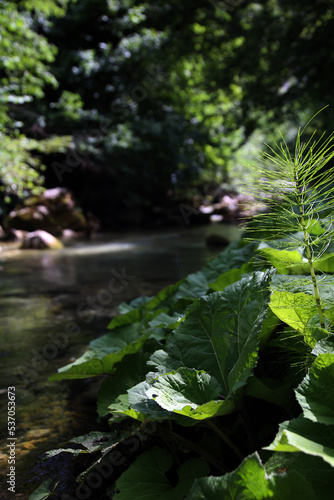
x=222 y=359
x=158 y=97
x=197 y=387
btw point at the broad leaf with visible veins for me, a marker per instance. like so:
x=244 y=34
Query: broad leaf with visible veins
x=315 y=393
x=220 y=332
x=299 y=311
x=209 y=356
x=146 y=477
x=104 y=353
x=191 y=393
x=250 y=482
x=301 y=434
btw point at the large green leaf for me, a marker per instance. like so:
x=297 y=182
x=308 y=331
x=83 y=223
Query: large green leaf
x=326 y=263
x=125 y=307
x=44 y=491
x=141 y=308
x=220 y=337
x=294 y=309
x=318 y=473
x=162 y=363
x=301 y=434
x=93 y=442
x=299 y=311
x=166 y=320
x=234 y=256
x=249 y=482
x=230 y=277
x=162 y=324
x=315 y=393
x=143 y=405
x=324 y=346
x=220 y=332
x=190 y=393
x=146 y=477
x=104 y=353
x=304 y=284
x=129 y=372
x=131 y=316
x=285 y=261
x=120 y=408
x=175 y=390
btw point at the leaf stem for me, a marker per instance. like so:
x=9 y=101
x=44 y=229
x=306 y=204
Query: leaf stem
x=170 y=445
x=308 y=251
x=315 y=285
x=226 y=439
x=248 y=428
x=197 y=449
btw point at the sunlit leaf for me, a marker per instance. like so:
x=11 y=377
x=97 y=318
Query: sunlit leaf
x=113 y=391
x=250 y=482
x=301 y=434
x=104 y=353
x=190 y=393
x=44 y=491
x=220 y=332
x=315 y=393
x=229 y=277
x=319 y=473
x=298 y=310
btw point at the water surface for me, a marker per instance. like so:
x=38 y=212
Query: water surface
x=47 y=295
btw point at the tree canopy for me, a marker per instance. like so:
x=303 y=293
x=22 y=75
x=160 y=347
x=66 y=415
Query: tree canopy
x=131 y=103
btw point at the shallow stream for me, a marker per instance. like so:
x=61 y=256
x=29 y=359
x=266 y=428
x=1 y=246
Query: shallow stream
x=52 y=304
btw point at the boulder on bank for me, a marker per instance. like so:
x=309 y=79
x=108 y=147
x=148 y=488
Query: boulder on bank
x=53 y=211
x=232 y=207
x=41 y=240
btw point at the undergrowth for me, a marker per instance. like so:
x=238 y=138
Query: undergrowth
x=221 y=386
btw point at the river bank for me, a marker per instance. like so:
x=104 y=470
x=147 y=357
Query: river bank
x=44 y=292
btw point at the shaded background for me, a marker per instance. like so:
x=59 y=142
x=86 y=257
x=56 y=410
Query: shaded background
x=131 y=105
x=138 y=109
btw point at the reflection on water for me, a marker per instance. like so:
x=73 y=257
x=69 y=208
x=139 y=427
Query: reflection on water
x=53 y=303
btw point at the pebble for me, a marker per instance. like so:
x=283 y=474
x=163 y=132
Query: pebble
x=28 y=445
x=37 y=433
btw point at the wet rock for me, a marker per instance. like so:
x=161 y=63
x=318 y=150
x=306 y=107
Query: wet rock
x=12 y=235
x=41 y=240
x=53 y=211
x=68 y=234
x=231 y=207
